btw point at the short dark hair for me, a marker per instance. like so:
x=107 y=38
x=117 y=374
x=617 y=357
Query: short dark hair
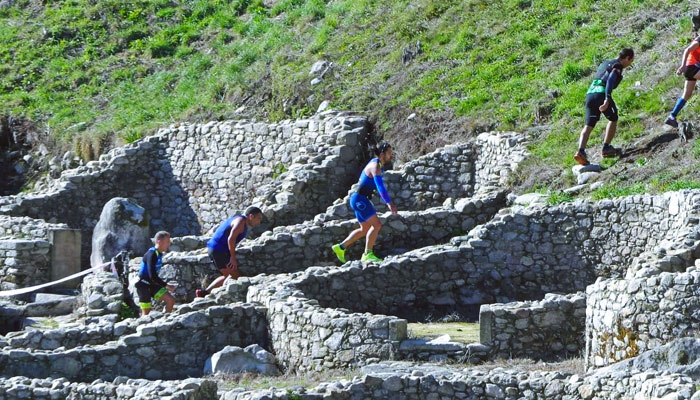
x=382 y=147
x=626 y=53
x=252 y=210
x=161 y=235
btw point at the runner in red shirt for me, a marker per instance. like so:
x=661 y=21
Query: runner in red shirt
x=690 y=68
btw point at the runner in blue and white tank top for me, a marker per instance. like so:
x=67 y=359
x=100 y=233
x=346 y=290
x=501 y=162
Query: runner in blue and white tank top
x=222 y=246
x=370 y=180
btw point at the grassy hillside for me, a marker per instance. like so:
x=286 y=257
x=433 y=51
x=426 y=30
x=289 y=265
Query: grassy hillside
x=93 y=73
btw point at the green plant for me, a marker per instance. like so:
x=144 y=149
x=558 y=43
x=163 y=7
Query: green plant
x=556 y=198
x=278 y=170
x=617 y=189
x=124 y=67
x=126 y=312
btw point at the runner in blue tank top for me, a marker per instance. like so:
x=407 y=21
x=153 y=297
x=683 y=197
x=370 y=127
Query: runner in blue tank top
x=370 y=180
x=222 y=246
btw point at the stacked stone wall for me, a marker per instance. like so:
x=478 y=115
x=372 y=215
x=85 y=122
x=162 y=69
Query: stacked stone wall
x=549 y=329
x=519 y=255
x=68 y=338
x=21 y=387
x=452 y=172
x=26 y=228
x=191 y=177
x=174 y=347
x=498 y=383
x=626 y=317
x=309 y=244
x=307 y=337
x=24 y=262
x=657 y=301
x=102 y=293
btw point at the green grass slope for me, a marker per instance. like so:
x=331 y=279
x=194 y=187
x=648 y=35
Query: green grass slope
x=94 y=73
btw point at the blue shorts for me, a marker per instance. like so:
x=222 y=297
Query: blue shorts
x=364 y=209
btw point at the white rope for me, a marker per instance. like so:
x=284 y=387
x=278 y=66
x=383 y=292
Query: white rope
x=30 y=289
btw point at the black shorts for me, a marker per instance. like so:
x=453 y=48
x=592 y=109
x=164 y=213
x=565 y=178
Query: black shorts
x=690 y=72
x=219 y=258
x=146 y=291
x=595 y=100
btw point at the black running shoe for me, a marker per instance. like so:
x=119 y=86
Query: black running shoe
x=670 y=121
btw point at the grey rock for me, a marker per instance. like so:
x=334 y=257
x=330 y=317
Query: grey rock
x=123 y=225
x=530 y=198
x=234 y=360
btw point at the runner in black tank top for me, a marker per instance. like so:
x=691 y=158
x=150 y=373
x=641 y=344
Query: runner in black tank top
x=599 y=100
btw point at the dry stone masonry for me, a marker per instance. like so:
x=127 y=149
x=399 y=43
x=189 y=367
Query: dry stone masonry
x=191 y=177
x=26 y=228
x=24 y=263
x=658 y=300
x=615 y=279
x=309 y=244
x=406 y=381
x=452 y=172
x=548 y=329
x=102 y=293
x=173 y=347
x=25 y=251
x=121 y=388
x=306 y=336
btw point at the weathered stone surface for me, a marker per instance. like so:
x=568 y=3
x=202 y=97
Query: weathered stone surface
x=202 y=173
x=681 y=356
x=173 y=346
x=400 y=380
x=123 y=225
x=547 y=329
x=308 y=244
x=457 y=171
x=234 y=360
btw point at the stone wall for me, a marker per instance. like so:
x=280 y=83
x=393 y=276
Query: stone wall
x=423 y=350
x=626 y=317
x=102 y=293
x=498 y=155
x=309 y=244
x=307 y=337
x=26 y=228
x=521 y=254
x=498 y=383
x=549 y=329
x=191 y=177
x=452 y=172
x=657 y=301
x=172 y=347
x=74 y=336
x=24 y=262
x=20 y=387
x=293 y=167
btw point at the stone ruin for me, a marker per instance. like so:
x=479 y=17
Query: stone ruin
x=613 y=282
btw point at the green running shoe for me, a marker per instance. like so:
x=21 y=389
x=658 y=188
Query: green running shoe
x=371 y=257
x=340 y=253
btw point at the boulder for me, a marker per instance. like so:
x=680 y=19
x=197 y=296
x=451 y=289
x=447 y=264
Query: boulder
x=530 y=198
x=50 y=304
x=235 y=360
x=123 y=225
